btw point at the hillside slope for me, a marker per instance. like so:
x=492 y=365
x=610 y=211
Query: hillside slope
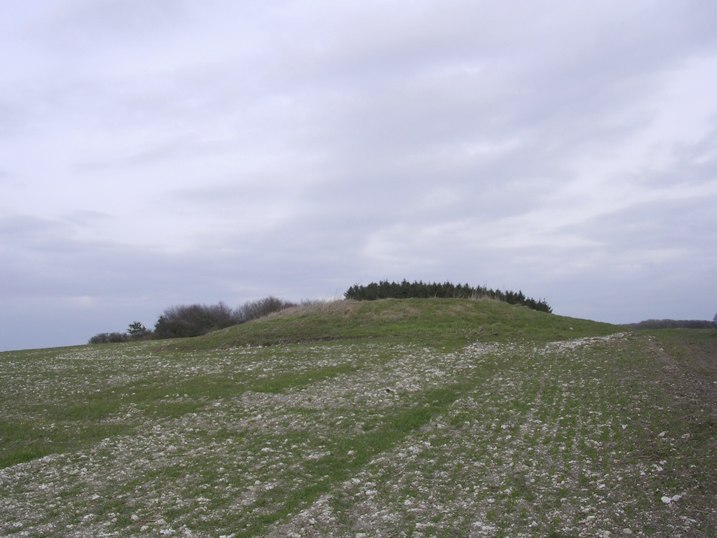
x=435 y=322
x=396 y=418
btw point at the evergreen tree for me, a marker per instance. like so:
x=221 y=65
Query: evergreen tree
x=404 y=289
x=137 y=330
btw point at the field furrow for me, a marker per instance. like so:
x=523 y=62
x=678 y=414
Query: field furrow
x=354 y=439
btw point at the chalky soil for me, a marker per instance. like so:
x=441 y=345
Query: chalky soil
x=583 y=437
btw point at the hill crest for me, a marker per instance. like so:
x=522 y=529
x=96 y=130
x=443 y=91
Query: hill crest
x=436 y=322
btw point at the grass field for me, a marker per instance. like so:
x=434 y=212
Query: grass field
x=390 y=418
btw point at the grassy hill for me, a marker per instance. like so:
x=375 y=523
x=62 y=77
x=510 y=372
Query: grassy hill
x=444 y=323
x=388 y=418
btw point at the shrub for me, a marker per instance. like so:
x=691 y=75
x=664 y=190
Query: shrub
x=197 y=319
x=192 y=320
x=257 y=309
x=108 y=338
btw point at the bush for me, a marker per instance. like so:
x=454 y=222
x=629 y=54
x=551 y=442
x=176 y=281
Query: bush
x=108 y=338
x=196 y=319
x=193 y=320
x=263 y=307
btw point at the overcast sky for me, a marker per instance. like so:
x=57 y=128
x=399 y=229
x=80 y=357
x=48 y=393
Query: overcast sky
x=164 y=152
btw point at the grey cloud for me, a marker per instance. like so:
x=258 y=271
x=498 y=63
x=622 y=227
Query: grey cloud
x=680 y=225
x=232 y=150
x=13 y=118
x=83 y=24
x=693 y=162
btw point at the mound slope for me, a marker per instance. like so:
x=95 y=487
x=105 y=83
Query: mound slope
x=449 y=323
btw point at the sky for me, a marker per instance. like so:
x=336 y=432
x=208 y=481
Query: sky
x=165 y=152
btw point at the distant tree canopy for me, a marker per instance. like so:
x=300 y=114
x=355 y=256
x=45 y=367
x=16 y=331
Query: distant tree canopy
x=192 y=320
x=260 y=308
x=404 y=290
x=673 y=324
x=109 y=338
x=195 y=320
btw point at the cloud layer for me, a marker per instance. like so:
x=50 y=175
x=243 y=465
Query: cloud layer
x=157 y=153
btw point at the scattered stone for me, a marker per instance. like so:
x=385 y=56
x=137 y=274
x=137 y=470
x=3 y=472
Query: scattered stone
x=444 y=479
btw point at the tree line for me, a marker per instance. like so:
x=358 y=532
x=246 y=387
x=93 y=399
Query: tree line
x=404 y=290
x=674 y=324
x=195 y=320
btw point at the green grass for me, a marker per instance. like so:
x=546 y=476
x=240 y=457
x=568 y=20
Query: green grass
x=396 y=417
x=441 y=323
x=86 y=418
